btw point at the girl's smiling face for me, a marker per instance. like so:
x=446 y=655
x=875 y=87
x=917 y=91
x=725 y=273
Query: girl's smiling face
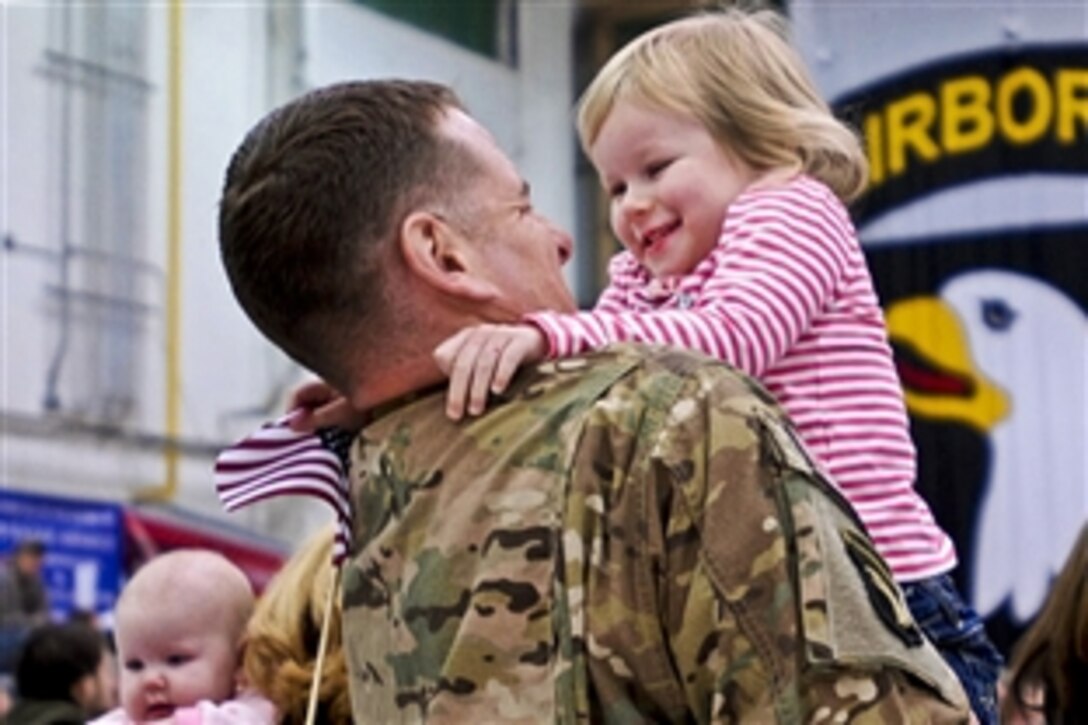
x=670 y=184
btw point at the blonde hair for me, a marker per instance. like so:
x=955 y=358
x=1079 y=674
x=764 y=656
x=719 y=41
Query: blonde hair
x=1051 y=659
x=735 y=71
x=283 y=635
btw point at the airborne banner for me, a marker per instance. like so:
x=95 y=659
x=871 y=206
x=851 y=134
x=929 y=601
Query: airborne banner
x=985 y=114
x=975 y=226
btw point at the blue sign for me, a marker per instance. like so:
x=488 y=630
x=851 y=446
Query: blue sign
x=83 y=546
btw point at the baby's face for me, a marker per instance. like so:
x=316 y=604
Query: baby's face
x=173 y=664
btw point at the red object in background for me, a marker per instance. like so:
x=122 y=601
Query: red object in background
x=153 y=530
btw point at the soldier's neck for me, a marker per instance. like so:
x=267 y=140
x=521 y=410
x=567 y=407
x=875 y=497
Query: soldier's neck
x=393 y=381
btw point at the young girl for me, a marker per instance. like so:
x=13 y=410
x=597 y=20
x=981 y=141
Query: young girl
x=727 y=177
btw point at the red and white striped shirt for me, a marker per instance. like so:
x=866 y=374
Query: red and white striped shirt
x=786 y=296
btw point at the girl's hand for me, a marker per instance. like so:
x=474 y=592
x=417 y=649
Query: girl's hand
x=482 y=359
x=319 y=405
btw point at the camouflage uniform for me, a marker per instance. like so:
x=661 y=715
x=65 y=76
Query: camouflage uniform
x=629 y=537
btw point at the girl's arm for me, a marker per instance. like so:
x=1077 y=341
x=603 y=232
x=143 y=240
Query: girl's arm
x=788 y=250
x=482 y=359
x=786 y=253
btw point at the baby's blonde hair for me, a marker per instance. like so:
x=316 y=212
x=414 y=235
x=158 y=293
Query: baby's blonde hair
x=734 y=71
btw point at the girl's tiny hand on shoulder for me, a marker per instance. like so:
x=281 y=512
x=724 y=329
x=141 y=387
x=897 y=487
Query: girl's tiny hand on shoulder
x=482 y=359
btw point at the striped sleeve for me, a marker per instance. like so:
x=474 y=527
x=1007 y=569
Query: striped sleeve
x=781 y=258
x=622 y=278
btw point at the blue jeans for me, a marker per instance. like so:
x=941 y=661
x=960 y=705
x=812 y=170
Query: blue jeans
x=958 y=634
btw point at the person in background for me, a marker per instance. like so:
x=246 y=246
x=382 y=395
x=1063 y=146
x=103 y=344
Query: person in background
x=283 y=634
x=59 y=678
x=1047 y=681
x=108 y=667
x=86 y=617
x=728 y=177
x=179 y=630
x=24 y=603
x=633 y=535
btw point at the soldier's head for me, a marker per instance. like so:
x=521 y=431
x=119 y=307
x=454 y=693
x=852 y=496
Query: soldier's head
x=362 y=214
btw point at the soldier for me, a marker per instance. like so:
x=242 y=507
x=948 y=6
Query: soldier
x=634 y=535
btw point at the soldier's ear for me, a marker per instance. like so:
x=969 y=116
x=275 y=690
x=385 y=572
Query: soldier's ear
x=441 y=257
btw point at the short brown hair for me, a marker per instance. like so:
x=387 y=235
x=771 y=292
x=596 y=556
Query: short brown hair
x=311 y=198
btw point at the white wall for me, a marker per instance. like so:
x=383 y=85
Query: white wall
x=231 y=378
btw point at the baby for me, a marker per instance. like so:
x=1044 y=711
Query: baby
x=179 y=629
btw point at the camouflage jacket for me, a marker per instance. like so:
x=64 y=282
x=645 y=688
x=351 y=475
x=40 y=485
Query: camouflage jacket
x=632 y=536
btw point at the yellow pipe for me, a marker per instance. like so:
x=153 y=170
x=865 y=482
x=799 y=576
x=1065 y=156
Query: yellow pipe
x=171 y=456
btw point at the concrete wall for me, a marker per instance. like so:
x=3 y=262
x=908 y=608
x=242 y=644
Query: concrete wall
x=84 y=162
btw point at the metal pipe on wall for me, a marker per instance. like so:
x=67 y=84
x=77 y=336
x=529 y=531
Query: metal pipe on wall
x=172 y=428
